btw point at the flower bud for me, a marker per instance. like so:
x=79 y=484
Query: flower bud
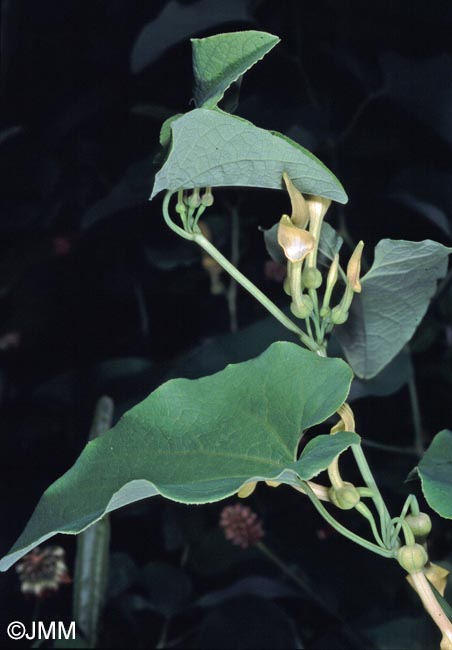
x=338 y=315
x=297 y=243
x=420 y=524
x=300 y=210
x=412 y=557
x=354 y=268
x=194 y=200
x=312 y=278
x=346 y=497
x=207 y=197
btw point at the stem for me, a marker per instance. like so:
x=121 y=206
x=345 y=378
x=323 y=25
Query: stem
x=199 y=238
x=383 y=513
x=370 y=546
x=320 y=491
x=416 y=415
x=253 y=290
x=356 y=639
x=169 y=222
x=290 y=574
x=163 y=638
x=316 y=315
x=235 y=255
x=366 y=513
x=431 y=604
x=392 y=449
x=398 y=520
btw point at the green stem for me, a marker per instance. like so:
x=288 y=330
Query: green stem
x=398 y=520
x=366 y=513
x=416 y=415
x=315 y=315
x=169 y=222
x=253 y=290
x=357 y=640
x=235 y=257
x=391 y=449
x=370 y=546
x=369 y=480
x=293 y=576
x=199 y=238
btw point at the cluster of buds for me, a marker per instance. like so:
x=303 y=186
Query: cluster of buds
x=299 y=236
x=43 y=570
x=194 y=200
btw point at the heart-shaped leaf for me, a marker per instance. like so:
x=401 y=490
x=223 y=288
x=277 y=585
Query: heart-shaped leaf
x=213 y=148
x=197 y=441
x=220 y=60
x=435 y=470
x=395 y=296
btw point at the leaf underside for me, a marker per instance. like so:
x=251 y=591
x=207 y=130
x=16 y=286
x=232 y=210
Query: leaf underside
x=435 y=471
x=213 y=148
x=395 y=296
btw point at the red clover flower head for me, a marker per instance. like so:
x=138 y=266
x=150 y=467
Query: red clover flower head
x=241 y=525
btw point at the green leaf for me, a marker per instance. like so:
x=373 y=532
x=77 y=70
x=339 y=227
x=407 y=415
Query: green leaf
x=165 y=130
x=197 y=441
x=213 y=148
x=321 y=451
x=395 y=296
x=435 y=471
x=220 y=60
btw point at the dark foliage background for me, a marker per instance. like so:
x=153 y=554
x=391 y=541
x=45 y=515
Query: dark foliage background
x=98 y=297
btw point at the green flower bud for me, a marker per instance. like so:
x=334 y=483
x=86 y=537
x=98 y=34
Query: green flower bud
x=312 y=278
x=303 y=308
x=420 y=524
x=325 y=311
x=412 y=558
x=338 y=316
x=346 y=497
x=194 y=200
x=207 y=197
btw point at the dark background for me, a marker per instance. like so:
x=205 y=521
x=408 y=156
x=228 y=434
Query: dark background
x=98 y=297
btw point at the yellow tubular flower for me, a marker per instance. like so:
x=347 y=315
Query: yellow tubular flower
x=354 y=268
x=297 y=243
x=300 y=211
x=247 y=489
x=347 y=419
x=318 y=207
